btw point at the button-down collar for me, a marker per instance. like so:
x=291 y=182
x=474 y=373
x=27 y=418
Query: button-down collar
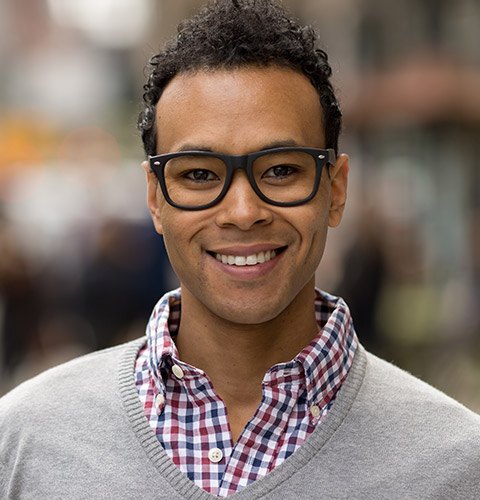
x=332 y=346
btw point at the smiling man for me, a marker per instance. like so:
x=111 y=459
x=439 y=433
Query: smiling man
x=250 y=382
x=250 y=196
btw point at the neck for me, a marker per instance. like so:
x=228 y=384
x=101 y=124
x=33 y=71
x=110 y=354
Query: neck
x=236 y=356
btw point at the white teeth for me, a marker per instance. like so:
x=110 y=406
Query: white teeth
x=240 y=260
x=249 y=260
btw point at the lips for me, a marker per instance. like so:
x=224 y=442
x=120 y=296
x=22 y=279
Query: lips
x=251 y=259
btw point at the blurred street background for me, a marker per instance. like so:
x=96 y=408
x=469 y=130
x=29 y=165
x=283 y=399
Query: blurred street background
x=80 y=264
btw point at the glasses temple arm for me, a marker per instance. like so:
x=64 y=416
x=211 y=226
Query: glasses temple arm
x=332 y=157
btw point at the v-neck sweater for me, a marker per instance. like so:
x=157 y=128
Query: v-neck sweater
x=79 y=431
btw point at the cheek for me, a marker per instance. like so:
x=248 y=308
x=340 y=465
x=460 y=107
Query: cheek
x=318 y=241
x=172 y=235
x=315 y=235
x=179 y=234
x=176 y=241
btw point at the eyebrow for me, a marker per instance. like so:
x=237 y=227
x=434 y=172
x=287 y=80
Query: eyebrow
x=194 y=147
x=275 y=144
x=281 y=144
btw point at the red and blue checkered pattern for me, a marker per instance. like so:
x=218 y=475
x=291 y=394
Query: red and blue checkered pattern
x=189 y=418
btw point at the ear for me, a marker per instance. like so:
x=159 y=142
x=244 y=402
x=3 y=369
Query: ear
x=152 y=197
x=338 y=182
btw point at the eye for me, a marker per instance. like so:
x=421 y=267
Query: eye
x=280 y=172
x=201 y=175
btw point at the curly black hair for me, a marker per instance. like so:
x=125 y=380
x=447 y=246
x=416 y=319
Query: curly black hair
x=236 y=33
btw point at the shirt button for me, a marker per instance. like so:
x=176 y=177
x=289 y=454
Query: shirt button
x=315 y=411
x=215 y=455
x=177 y=371
x=159 y=401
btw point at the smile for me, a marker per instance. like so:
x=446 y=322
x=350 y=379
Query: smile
x=248 y=260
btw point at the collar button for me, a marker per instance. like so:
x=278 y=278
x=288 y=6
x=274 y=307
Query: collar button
x=315 y=411
x=177 y=371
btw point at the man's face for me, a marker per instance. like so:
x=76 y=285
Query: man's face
x=237 y=112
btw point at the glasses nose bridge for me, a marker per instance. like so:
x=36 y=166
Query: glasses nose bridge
x=238 y=162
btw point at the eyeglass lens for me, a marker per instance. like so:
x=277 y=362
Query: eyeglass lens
x=286 y=177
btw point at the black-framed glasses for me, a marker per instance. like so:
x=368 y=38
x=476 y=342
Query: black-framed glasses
x=285 y=177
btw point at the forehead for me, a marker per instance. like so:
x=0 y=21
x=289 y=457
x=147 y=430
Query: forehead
x=239 y=110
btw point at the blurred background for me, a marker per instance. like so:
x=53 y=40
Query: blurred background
x=80 y=264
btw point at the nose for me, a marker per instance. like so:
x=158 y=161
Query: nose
x=241 y=206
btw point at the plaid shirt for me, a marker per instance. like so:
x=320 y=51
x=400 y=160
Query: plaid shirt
x=190 y=419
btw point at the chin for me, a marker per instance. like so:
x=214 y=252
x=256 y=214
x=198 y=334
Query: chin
x=249 y=315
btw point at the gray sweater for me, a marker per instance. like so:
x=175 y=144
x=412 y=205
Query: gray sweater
x=78 y=431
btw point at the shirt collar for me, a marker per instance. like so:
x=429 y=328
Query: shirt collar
x=322 y=365
x=327 y=359
x=161 y=330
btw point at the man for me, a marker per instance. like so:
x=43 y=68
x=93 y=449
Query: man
x=250 y=381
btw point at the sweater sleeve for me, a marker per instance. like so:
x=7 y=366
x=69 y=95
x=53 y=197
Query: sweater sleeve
x=9 y=425
x=3 y=480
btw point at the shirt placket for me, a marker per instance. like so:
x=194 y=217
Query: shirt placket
x=203 y=422
x=258 y=442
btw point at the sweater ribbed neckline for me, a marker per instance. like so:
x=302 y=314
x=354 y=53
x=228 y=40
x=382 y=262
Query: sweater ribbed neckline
x=180 y=482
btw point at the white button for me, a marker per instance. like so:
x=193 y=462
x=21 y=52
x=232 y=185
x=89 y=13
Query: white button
x=159 y=401
x=177 y=371
x=315 y=411
x=215 y=455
